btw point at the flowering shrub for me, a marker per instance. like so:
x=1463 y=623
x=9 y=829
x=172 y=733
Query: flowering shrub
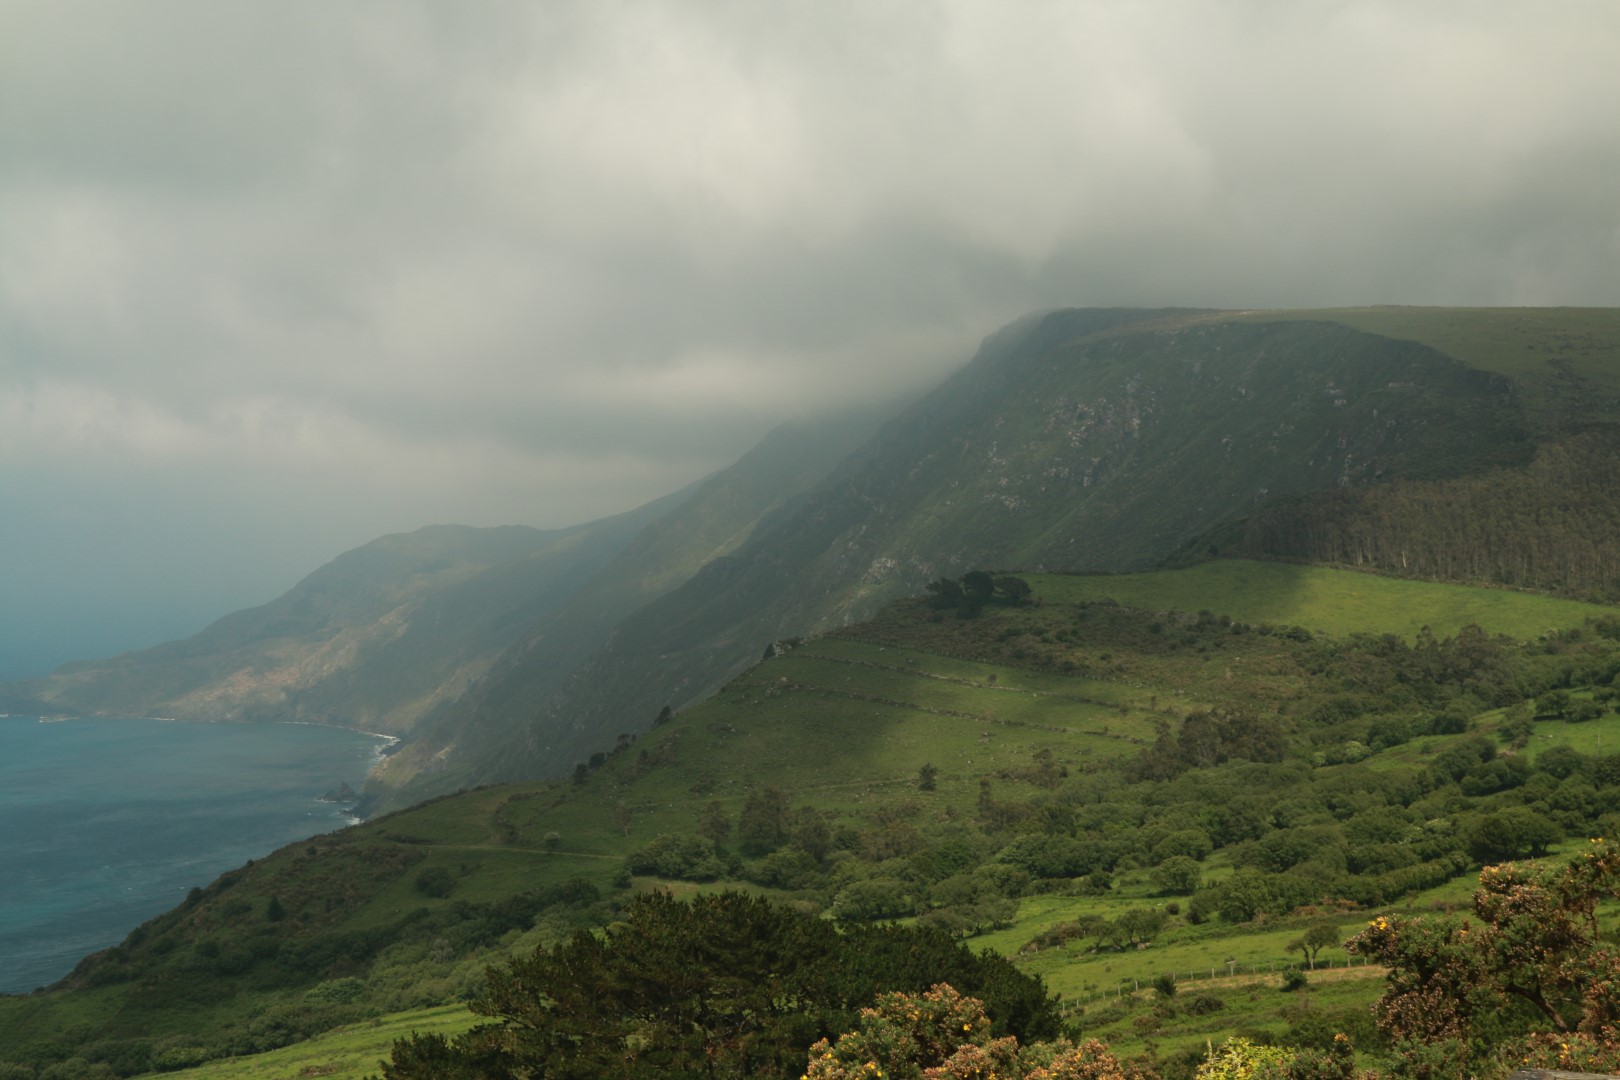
x=942 y=1035
x=1531 y=983
x=1240 y=1059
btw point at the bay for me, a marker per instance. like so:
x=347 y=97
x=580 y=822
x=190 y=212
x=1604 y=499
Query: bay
x=105 y=823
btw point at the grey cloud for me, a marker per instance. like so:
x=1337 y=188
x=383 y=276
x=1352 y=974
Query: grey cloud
x=507 y=261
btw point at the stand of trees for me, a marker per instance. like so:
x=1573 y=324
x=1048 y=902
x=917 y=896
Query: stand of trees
x=725 y=986
x=1548 y=526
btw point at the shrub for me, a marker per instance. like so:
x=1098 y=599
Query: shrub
x=686 y=858
x=435 y=881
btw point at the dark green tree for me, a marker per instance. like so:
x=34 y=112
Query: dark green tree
x=1015 y=590
x=1179 y=875
x=944 y=594
x=714 y=822
x=762 y=825
x=977 y=589
x=726 y=986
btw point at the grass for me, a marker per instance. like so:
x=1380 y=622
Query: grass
x=1336 y=602
x=843 y=724
x=1593 y=738
x=345 y=1053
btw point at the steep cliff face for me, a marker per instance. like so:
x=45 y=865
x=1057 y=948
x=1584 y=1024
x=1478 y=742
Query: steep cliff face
x=1077 y=440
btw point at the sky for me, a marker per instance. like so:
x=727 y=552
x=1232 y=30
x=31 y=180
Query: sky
x=279 y=278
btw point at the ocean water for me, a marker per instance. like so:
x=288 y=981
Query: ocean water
x=105 y=823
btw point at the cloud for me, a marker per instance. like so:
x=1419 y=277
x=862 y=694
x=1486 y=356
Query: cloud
x=570 y=252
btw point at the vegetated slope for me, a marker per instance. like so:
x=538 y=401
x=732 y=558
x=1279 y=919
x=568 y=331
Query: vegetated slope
x=1077 y=440
x=1548 y=525
x=1078 y=746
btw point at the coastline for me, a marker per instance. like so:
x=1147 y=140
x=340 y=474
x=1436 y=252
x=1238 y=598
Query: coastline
x=110 y=823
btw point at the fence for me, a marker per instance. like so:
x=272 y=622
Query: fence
x=1226 y=970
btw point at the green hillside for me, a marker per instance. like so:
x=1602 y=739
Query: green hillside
x=1083 y=441
x=1130 y=776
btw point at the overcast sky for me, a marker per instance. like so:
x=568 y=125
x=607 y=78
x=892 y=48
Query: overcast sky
x=277 y=278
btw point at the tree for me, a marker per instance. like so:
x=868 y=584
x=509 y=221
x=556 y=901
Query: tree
x=1179 y=875
x=435 y=881
x=1510 y=834
x=1015 y=590
x=725 y=986
x=1554 y=704
x=944 y=594
x=688 y=858
x=1318 y=936
x=714 y=822
x=927 y=777
x=1246 y=894
x=977 y=589
x=762 y=825
x=808 y=831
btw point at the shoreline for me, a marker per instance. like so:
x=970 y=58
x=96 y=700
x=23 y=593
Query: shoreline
x=102 y=906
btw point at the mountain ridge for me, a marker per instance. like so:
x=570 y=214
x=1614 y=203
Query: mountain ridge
x=1075 y=439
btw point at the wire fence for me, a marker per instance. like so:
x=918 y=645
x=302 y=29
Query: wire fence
x=1229 y=969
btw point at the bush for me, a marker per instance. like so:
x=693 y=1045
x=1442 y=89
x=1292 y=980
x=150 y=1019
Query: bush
x=1179 y=875
x=1294 y=980
x=435 y=881
x=686 y=858
x=868 y=901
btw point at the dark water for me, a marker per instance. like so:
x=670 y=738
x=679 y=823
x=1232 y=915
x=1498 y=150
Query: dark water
x=105 y=823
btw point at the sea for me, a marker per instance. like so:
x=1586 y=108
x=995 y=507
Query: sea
x=105 y=823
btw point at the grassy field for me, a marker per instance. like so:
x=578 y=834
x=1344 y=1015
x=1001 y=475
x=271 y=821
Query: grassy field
x=347 y=1053
x=1336 y=602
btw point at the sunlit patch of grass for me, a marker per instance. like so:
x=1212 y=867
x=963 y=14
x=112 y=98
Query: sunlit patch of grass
x=1335 y=602
x=345 y=1053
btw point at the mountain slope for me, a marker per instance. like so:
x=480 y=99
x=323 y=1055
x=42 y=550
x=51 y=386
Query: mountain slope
x=1077 y=440
x=370 y=640
x=718 y=515
x=386 y=636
